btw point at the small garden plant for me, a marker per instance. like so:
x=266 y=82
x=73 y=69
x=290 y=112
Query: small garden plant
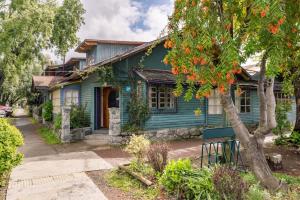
x=158 y=156
x=47 y=111
x=10 y=140
x=138 y=146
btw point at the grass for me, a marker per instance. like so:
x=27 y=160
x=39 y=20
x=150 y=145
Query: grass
x=126 y=183
x=291 y=180
x=49 y=136
x=33 y=121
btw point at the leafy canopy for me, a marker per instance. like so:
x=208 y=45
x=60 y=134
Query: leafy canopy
x=208 y=40
x=27 y=28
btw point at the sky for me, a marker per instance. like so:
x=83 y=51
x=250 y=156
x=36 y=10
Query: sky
x=138 y=20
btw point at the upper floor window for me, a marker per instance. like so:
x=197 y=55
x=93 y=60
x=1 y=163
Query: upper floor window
x=161 y=98
x=214 y=103
x=243 y=101
x=71 y=97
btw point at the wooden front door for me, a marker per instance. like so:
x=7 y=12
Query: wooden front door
x=106 y=92
x=110 y=96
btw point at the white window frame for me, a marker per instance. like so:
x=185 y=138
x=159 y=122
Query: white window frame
x=71 y=97
x=215 y=106
x=161 y=98
x=243 y=96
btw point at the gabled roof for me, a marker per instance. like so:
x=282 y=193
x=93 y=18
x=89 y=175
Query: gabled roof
x=44 y=82
x=87 y=44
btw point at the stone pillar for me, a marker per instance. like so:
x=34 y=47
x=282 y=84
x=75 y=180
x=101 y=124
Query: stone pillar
x=43 y=120
x=114 y=122
x=65 y=125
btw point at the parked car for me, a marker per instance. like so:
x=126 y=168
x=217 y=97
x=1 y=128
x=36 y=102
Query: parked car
x=2 y=113
x=7 y=110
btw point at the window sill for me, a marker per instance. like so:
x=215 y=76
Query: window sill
x=163 y=111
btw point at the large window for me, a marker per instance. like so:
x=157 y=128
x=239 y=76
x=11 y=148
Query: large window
x=214 y=103
x=243 y=101
x=161 y=98
x=71 y=97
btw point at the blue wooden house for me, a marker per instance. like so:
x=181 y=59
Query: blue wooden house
x=169 y=116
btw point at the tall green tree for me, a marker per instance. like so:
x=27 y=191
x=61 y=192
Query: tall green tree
x=67 y=21
x=208 y=41
x=28 y=27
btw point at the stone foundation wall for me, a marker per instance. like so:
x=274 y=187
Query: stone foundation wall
x=36 y=114
x=76 y=134
x=114 y=122
x=160 y=135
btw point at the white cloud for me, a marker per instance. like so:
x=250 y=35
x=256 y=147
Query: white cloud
x=123 y=20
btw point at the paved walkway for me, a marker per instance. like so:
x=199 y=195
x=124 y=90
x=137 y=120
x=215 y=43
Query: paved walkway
x=33 y=143
x=48 y=174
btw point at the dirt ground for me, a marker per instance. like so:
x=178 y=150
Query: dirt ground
x=111 y=193
x=290 y=158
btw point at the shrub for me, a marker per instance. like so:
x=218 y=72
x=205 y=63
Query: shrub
x=158 y=156
x=79 y=117
x=229 y=183
x=256 y=193
x=10 y=140
x=138 y=112
x=181 y=180
x=47 y=111
x=57 y=122
x=283 y=124
x=295 y=138
x=138 y=146
x=173 y=176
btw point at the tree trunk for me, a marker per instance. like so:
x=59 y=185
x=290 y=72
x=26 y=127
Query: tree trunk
x=253 y=148
x=297 y=98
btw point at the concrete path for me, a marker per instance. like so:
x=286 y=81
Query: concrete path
x=33 y=143
x=46 y=174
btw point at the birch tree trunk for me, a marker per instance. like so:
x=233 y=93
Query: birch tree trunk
x=253 y=144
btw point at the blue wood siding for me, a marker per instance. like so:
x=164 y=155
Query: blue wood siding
x=105 y=51
x=87 y=95
x=102 y=52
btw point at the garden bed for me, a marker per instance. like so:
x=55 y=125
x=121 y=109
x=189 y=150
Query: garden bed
x=119 y=185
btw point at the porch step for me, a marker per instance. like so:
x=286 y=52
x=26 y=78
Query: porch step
x=97 y=139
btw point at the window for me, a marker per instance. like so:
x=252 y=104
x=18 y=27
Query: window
x=214 y=103
x=242 y=101
x=281 y=97
x=161 y=98
x=71 y=97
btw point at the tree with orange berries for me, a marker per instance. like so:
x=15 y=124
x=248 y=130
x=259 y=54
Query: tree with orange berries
x=291 y=46
x=210 y=39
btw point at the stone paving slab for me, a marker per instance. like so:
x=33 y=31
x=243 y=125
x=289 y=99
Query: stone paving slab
x=75 y=186
x=59 y=164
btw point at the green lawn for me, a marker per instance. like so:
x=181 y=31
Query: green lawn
x=49 y=136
